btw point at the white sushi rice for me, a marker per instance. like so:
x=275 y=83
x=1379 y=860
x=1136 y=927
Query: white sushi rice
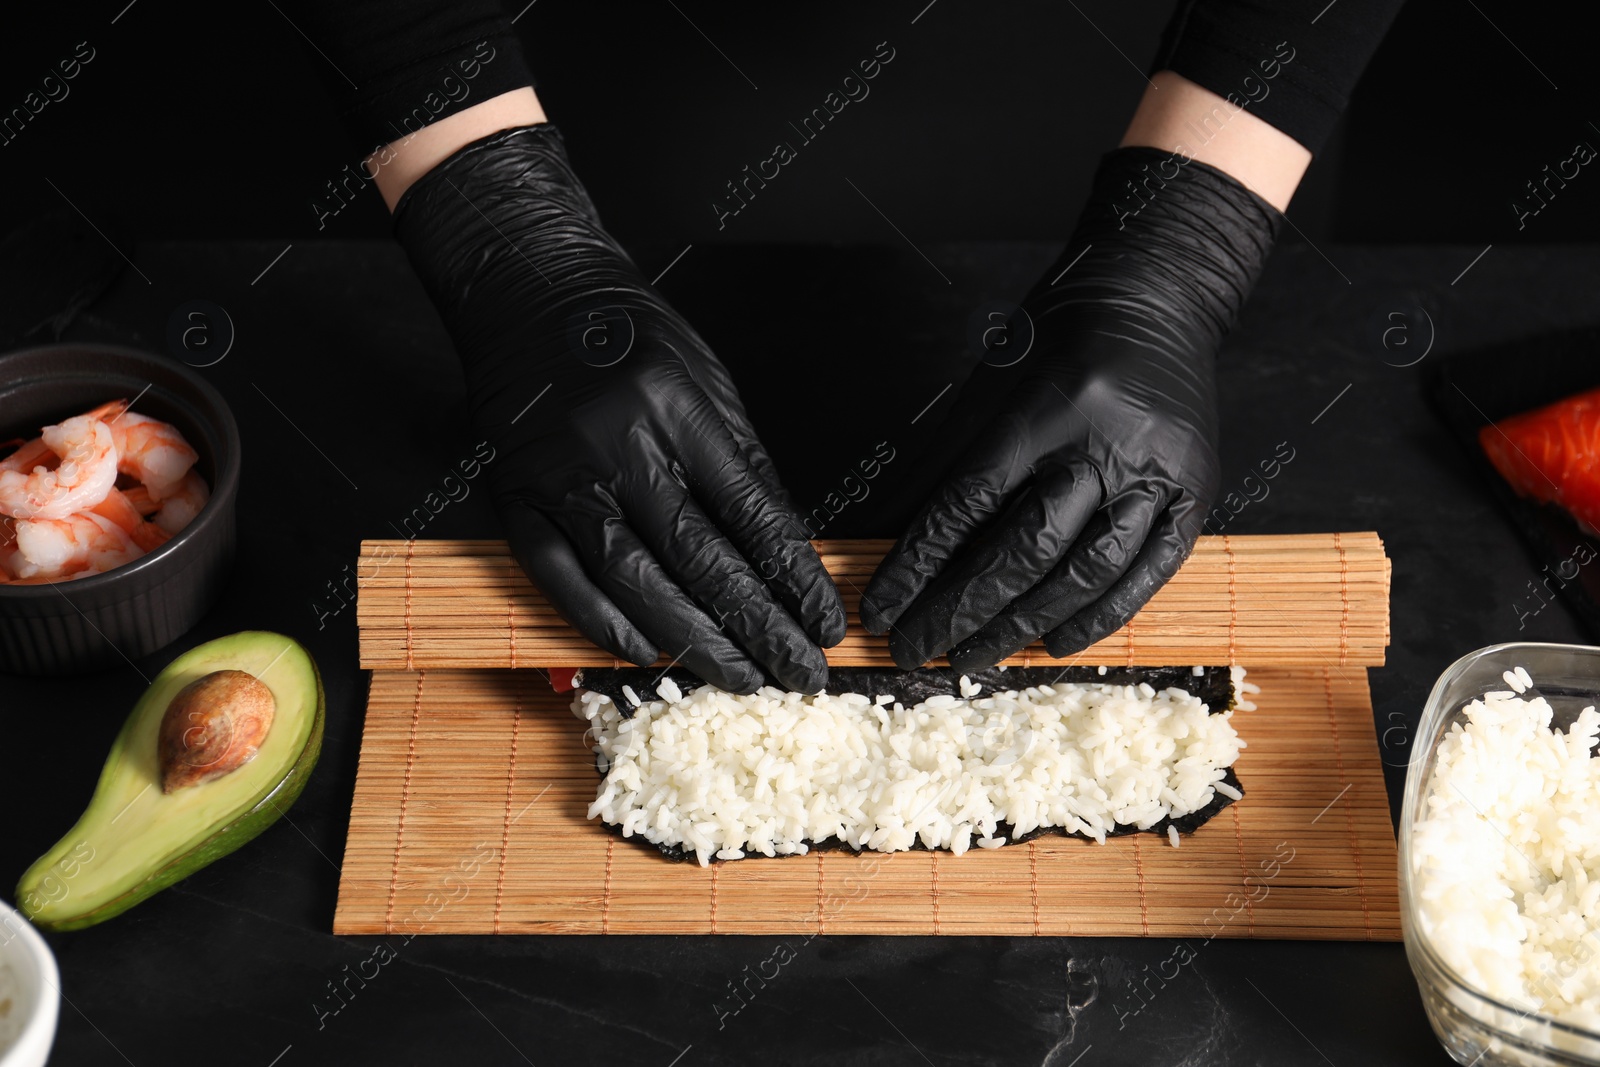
x=718 y=774
x=1506 y=854
x=1242 y=690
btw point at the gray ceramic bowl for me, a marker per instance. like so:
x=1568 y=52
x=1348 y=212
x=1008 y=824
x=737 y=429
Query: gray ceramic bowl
x=132 y=610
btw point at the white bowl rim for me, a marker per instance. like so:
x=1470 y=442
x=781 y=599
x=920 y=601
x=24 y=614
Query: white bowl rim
x=39 y=1031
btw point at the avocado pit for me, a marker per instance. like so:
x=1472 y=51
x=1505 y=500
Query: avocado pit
x=213 y=726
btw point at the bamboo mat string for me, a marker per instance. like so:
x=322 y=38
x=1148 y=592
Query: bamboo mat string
x=1233 y=599
x=411 y=548
x=1244 y=871
x=505 y=833
x=1138 y=870
x=935 y=855
x=820 y=893
x=1344 y=601
x=405 y=798
x=715 y=867
x=1349 y=809
x=1033 y=882
x=605 y=892
x=511 y=629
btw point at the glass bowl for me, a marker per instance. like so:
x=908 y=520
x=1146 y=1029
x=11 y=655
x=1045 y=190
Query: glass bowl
x=1474 y=1027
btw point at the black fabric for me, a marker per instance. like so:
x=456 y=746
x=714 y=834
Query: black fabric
x=395 y=66
x=1292 y=64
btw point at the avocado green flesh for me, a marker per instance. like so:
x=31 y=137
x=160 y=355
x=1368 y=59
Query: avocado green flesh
x=134 y=840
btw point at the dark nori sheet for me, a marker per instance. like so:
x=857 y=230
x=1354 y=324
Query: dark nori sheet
x=1214 y=686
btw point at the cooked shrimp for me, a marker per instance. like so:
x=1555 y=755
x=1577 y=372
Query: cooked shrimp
x=140 y=498
x=8 y=549
x=86 y=471
x=147 y=449
x=28 y=454
x=72 y=547
x=182 y=504
x=120 y=509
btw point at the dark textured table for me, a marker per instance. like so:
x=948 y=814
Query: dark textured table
x=351 y=410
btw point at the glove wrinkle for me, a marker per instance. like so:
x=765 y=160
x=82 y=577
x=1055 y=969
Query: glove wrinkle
x=1038 y=529
x=970 y=499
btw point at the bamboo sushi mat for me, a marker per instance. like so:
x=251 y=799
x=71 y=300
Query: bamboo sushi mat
x=469 y=817
x=1262 y=601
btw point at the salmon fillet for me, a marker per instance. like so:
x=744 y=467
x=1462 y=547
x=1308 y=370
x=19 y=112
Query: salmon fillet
x=1552 y=455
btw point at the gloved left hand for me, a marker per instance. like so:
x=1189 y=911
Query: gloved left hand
x=633 y=489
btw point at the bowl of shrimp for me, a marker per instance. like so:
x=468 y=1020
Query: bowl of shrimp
x=118 y=475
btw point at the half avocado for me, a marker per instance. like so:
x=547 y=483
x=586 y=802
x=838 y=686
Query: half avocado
x=136 y=839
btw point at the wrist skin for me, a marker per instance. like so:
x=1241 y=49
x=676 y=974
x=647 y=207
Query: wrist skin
x=397 y=165
x=1176 y=115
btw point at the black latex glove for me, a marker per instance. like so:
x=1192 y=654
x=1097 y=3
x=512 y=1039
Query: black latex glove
x=1082 y=496
x=634 y=491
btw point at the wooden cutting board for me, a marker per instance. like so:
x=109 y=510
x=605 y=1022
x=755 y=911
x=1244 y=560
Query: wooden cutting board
x=469 y=817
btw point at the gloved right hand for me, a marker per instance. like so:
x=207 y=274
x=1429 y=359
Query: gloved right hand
x=633 y=489
x=1090 y=483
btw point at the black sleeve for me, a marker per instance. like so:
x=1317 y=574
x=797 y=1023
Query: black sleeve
x=394 y=66
x=1292 y=64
